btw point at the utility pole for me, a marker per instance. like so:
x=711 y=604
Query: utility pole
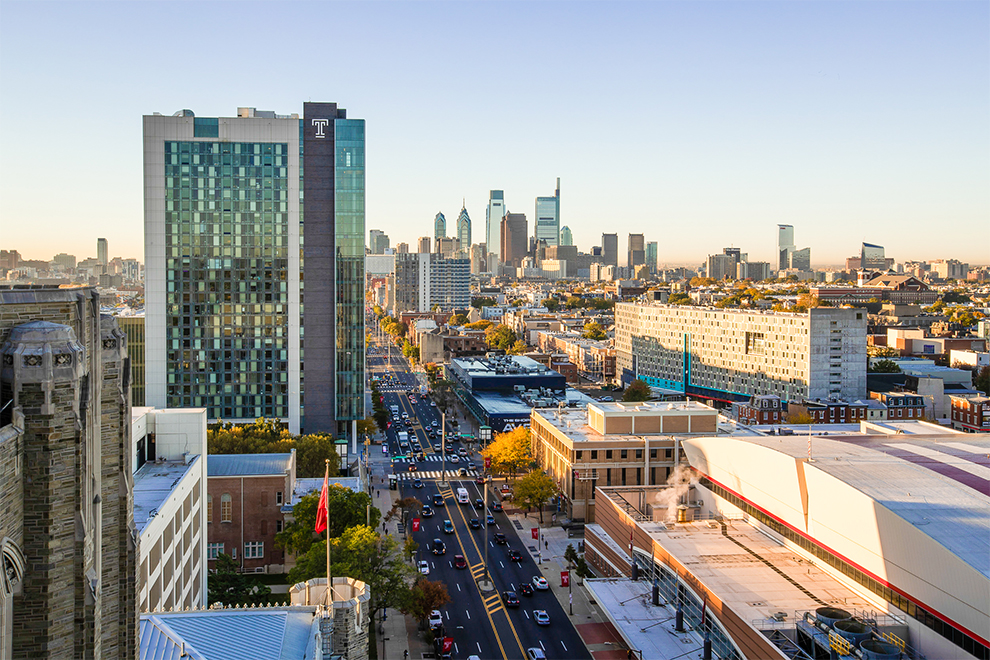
x=443 y=449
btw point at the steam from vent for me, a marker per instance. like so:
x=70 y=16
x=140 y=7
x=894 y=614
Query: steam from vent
x=679 y=482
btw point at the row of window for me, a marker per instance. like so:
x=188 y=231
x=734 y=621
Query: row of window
x=668 y=454
x=252 y=550
x=225 y=508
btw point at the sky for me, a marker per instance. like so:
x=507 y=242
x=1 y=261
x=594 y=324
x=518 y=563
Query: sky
x=699 y=124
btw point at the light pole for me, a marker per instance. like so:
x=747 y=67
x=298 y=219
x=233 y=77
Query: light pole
x=485 y=433
x=443 y=449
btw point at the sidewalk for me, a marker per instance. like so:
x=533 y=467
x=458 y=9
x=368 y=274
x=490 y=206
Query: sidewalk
x=598 y=634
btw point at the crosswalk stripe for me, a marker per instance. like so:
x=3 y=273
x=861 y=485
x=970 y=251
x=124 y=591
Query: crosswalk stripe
x=432 y=474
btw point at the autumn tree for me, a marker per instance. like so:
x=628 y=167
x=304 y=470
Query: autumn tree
x=534 y=490
x=404 y=509
x=518 y=348
x=482 y=324
x=637 y=391
x=267 y=436
x=346 y=508
x=500 y=336
x=510 y=452
x=424 y=597
x=593 y=330
x=457 y=319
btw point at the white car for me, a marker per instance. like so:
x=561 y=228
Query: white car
x=535 y=653
x=424 y=567
x=540 y=583
x=453 y=458
x=541 y=617
x=436 y=619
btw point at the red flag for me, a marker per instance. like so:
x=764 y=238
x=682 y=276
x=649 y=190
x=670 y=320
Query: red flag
x=535 y=532
x=321 y=510
x=565 y=578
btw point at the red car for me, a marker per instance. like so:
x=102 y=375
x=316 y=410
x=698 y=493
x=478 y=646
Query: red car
x=480 y=480
x=459 y=561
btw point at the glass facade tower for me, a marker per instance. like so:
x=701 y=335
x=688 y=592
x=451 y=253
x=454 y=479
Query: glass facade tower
x=547 y=225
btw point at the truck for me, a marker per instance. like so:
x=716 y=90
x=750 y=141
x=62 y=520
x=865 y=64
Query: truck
x=403 y=439
x=462 y=496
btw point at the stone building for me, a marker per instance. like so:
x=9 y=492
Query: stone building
x=68 y=586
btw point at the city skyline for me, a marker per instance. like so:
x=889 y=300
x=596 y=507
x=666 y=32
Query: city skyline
x=854 y=122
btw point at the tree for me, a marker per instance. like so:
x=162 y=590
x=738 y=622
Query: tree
x=267 y=436
x=982 y=380
x=226 y=585
x=882 y=351
x=481 y=324
x=883 y=367
x=679 y=299
x=482 y=301
x=571 y=555
x=518 y=348
x=404 y=510
x=424 y=597
x=799 y=418
x=637 y=391
x=500 y=336
x=346 y=508
x=366 y=426
x=574 y=302
x=534 y=490
x=410 y=351
x=593 y=330
x=457 y=319
x=552 y=304
x=510 y=451
x=409 y=548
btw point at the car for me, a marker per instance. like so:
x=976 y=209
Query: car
x=438 y=500
x=436 y=619
x=459 y=561
x=540 y=583
x=491 y=519
x=453 y=458
x=421 y=456
x=424 y=567
x=511 y=599
x=515 y=555
x=436 y=425
x=412 y=467
x=417 y=483
x=479 y=503
x=448 y=527
x=474 y=523
x=462 y=472
x=606 y=398
x=479 y=479
x=412 y=399
x=496 y=506
x=462 y=452
x=535 y=653
x=499 y=538
x=427 y=511
x=438 y=547
x=433 y=404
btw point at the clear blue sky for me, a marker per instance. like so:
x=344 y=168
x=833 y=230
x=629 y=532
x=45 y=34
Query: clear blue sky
x=699 y=124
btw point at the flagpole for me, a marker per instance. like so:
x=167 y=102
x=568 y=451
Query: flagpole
x=326 y=509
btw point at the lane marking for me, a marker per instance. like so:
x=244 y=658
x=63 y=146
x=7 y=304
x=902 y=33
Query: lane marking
x=466 y=612
x=562 y=643
x=526 y=613
x=541 y=645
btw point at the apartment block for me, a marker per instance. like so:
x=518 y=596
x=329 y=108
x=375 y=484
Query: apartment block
x=595 y=360
x=730 y=355
x=971 y=413
x=424 y=280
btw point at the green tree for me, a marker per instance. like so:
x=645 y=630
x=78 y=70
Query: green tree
x=981 y=380
x=409 y=351
x=637 y=391
x=882 y=351
x=482 y=301
x=534 y=490
x=510 y=451
x=409 y=548
x=884 y=367
x=571 y=555
x=346 y=508
x=574 y=302
x=518 y=348
x=679 y=299
x=457 y=319
x=593 y=330
x=500 y=336
x=552 y=304
x=424 y=597
x=267 y=436
x=228 y=586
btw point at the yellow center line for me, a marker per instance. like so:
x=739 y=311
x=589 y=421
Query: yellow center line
x=487 y=613
x=481 y=554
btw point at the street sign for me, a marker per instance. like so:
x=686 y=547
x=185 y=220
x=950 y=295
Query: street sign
x=535 y=532
x=448 y=643
x=565 y=578
x=488 y=462
x=415 y=524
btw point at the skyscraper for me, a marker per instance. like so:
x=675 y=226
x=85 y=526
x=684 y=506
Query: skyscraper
x=610 y=249
x=377 y=241
x=785 y=245
x=102 y=251
x=651 y=256
x=424 y=244
x=493 y=227
x=464 y=230
x=636 y=255
x=513 y=239
x=547 y=224
x=224 y=278
x=566 y=238
x=872 y=257
x=439 y=226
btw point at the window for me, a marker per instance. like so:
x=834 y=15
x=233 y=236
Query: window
x=213 y=549
x=653 y=454
x=209 y=509
x=254 y=549
x=608 y=454
x=608 y=477
x=594 y=454
x=225 y=508
x=639 y=453
x=233 y=552
x=623 y=476
x=278 y=497
x=578 y=458
x=668 y=454
x=278 y=526
x=624 y=453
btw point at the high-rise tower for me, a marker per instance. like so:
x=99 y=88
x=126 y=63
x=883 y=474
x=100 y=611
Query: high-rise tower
x=102 y=251
x=547 y=224
x=493 y=227
x=785 y=245
x=566 y=237
x=439 y=226
x=464 y=230
x=224 y=255
x=610 y=249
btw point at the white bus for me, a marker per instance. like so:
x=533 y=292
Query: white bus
x=462 y=496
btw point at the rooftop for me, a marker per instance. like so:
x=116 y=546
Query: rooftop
x=153 y=484
x=307 y=485
x=248 y=465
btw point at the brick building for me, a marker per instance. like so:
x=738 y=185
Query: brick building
x=68 y=579
x=971 y=413
x=901 y=405
x=762 y=409
x=248 y=497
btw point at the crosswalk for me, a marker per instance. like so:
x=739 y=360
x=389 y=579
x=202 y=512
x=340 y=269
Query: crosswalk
x=433 y=474
x=493 y=603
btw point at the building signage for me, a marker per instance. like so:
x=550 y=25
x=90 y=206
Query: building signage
x=320 y=125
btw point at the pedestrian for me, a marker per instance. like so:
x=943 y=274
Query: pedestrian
x=546 y=543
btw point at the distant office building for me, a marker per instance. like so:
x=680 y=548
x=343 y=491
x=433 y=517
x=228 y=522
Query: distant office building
x=424 y=244
x=9 y=259
x=566 y=238
x=872 y=257
x=730 y=354
x=102 y=251
x=723 y=266
x=439 y=226
x=423 y=281
x=950 y=269
x=464 y=230
x=479 y=264
x=610 y=249
x=446 y=246
x=402 y=248
x=651 y=256
x=785 y=245
x=636 y=250
x=753 y=270
x=800 y=259
x=493 y=227
x=224 y=320
x=68 y=544
x=64 y=260
x=547 y=224
x=513 y=239
x=132 y=270
x=377 y=241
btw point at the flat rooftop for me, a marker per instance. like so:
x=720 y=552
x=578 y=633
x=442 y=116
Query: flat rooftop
x=153 y=483
x=307 y=485
x=574 y=422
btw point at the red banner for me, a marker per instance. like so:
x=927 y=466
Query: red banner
x=565 y=578
x=448 y=643
x=488 y=462
x=415 y=524
x=536 y=533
